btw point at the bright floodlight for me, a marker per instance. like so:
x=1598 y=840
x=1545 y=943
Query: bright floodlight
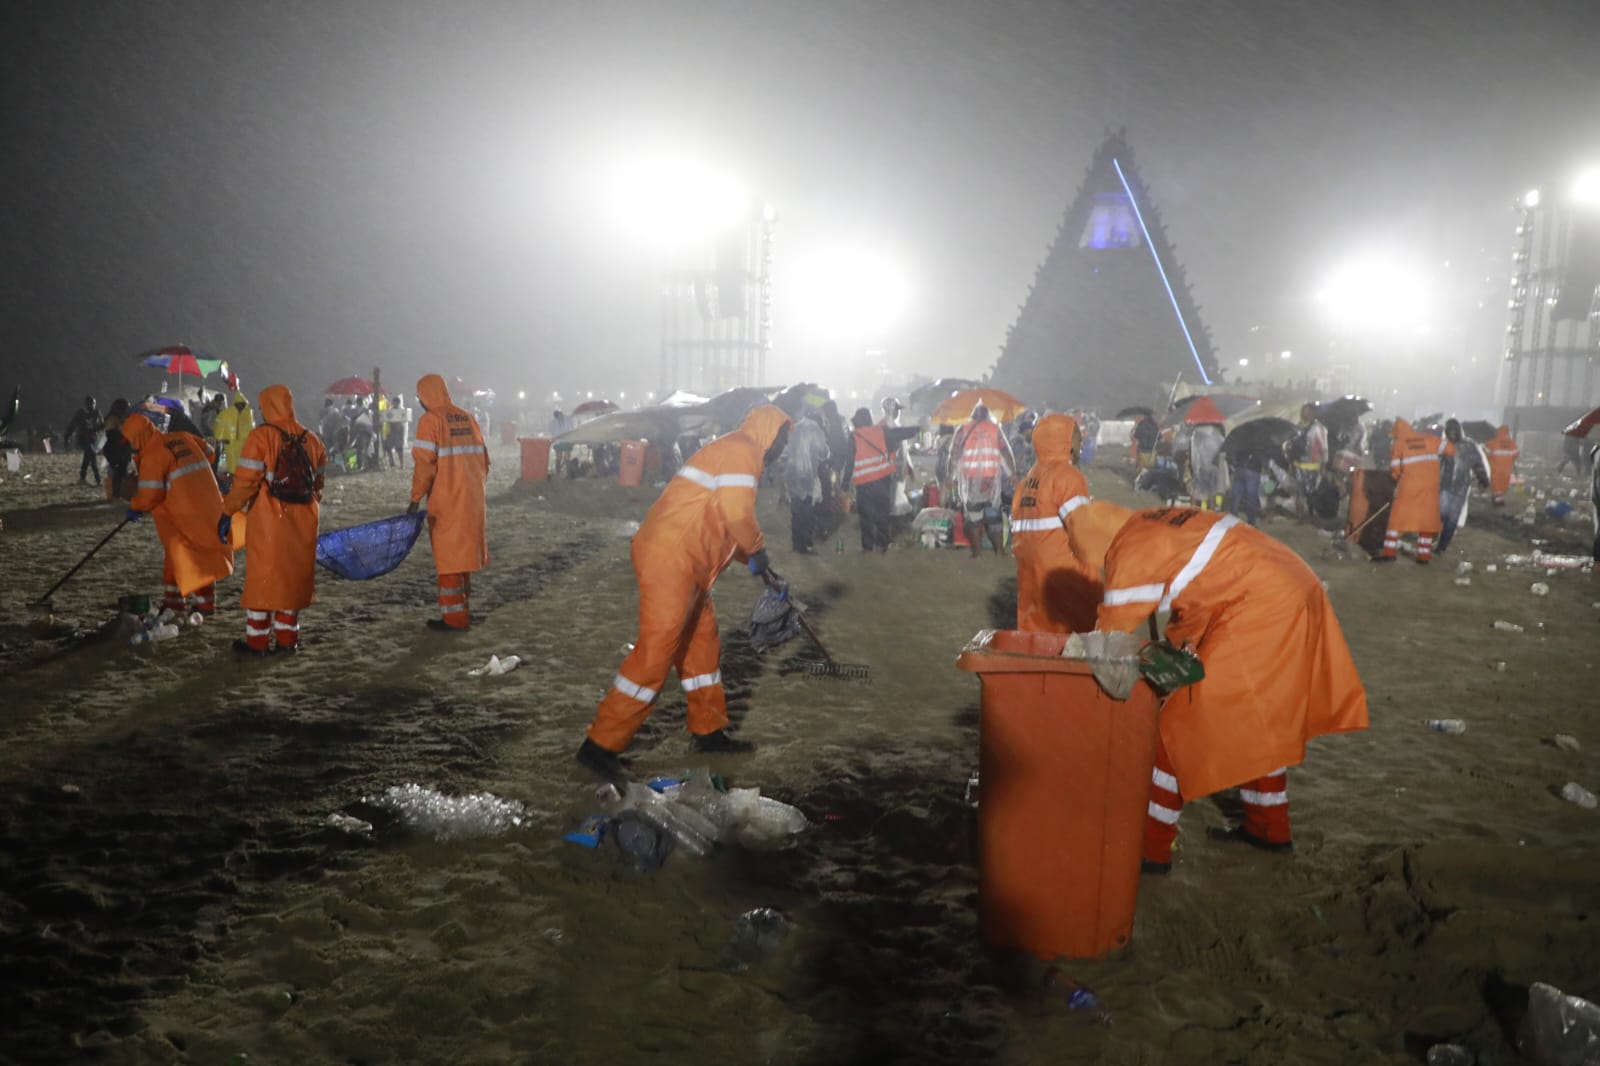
x=1244 y=362
x=848 y=293
x=1375 y=294
x=1530 y=199
x=1284 y=355
x=1586 y=190
x=673 y=203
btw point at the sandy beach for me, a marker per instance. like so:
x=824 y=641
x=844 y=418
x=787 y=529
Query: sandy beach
x=172 y=890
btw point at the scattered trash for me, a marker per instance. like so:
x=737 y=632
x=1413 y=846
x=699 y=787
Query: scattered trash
x=348 y=824
x=1498 y=666
x=197 y=619
x=1563 y=741
x=1450 y=1055
x=496 y=666
x=757 y=936
x=692 y=830
x=1539 y=588
x=477 y=814
x=646 y=845
x=1573 y=792
x=590 y=833
x=626 y=529
x=151 y=634
x=1507 y=627
x=71 y=790
x=1462 y=582
x=1463 y=568
x=1491 y=569
x=1559 y=1030
x=1446 y=725
x=1558 y=509
x=1079 y=997
x=974 y=788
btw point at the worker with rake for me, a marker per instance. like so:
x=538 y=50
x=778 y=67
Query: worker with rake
x=177 y=486
x=704 y=519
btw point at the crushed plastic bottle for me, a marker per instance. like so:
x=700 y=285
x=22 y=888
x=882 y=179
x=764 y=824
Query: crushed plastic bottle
x=1539 y=588
x=1463 y=568
x=349 y=824
x=757 y=935
x=1079 y=997
x=1565 y=742
x=154 y=633
x=974 y=790
x=1461 y=582
x=1446 y=725
x=1451 y=1055
x=1573 y=792
x=196 y=618
x=477 y=814
x=496 y=666
x=694 y=832
x=1559 y=1030
x=1507 y=627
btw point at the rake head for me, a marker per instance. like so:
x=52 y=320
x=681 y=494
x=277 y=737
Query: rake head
x=836 y=671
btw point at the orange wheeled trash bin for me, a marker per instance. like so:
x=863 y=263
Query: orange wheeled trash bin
x=535 y=458
x=1065 y=782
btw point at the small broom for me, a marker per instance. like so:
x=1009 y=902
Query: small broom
x=829 y=667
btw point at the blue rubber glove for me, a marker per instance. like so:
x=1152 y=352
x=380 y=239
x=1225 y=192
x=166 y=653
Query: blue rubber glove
x=225 y=529
x=758 y=563
x=132 y=515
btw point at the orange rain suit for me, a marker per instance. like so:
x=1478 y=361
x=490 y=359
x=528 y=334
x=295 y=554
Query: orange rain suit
x=177 y=486
x=1056 y=591
x=704 y=519
x=1503 y=452
x=1414 y=462
x=281 y=575
x=450 y=465
x=1278 y=671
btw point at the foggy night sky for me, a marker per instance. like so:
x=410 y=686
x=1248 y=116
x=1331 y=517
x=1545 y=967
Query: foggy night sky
x=309 y=187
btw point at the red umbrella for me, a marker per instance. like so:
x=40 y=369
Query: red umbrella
x=1202 y=412
x=349 y=387
x=1582 y=426
x=594 y=407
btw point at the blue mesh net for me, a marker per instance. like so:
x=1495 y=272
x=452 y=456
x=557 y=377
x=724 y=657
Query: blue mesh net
x=363 y=552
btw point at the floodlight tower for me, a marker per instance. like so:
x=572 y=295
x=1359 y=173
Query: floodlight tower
x=716 y=306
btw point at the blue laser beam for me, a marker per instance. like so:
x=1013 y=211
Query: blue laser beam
x=1134 y=200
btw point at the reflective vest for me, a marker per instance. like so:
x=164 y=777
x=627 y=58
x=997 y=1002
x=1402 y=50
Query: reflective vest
x=980 y=454
x=873 y=461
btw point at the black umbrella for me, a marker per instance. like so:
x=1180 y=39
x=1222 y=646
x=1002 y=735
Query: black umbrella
x=796 y=398
x=725 y=411
x=1264 y=437
x=1346 y=408
x=1134 y=412
x=1479 y=430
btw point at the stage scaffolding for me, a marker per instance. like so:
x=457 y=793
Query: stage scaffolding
x=716 y=309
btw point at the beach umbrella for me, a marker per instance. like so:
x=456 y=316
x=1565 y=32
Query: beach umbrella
x=180 y=359
x=349 y=387
x=1263 y=436
x=1582 y=426
x=593 y=407
x=1217 y=408
x=725 y=411
x=1202 y=412
x=930 y=396
x=957 y=409
x=1137 y=411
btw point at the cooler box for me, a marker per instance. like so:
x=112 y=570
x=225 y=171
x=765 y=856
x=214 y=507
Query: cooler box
x=1065 y=772
x=535 y=458
x=508 y=433
x=630 y=471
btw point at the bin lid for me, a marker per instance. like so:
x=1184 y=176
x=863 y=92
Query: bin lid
x=1013 y=651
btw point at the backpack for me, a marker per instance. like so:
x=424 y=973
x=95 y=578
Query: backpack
x=293 y=479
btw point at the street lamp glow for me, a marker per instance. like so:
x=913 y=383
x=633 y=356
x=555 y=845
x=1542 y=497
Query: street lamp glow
x=1530 y=199
x=1586 y=190
x=1244 y=362
x=1284 y=355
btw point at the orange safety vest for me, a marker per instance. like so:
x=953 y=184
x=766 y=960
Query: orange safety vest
x=873 y=461
x=980 y=452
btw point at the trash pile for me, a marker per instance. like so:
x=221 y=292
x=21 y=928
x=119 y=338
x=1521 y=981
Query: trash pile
x=694 y=813
x=477 y=814
x=153 y=625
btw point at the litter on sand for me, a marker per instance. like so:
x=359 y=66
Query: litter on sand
x=477 y=814
x=496 y=666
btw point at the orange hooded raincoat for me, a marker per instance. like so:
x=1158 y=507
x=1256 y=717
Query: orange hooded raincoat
x=281 y=575
x=1502 y=452
x=450 y=466
x=1414 y=462
x=1056 y=591
x=1278 y=671
x=704 y=519
x=176 y=485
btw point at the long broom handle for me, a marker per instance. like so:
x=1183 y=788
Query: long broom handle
x=115 y=530
x=1356 y=532
x=769 y=577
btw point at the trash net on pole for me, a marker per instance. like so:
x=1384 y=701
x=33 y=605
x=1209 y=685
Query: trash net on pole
x=371 y=550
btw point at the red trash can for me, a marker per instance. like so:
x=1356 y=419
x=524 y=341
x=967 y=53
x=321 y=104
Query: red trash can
x=630 y=471
x=535 y=458
x=1065 y=782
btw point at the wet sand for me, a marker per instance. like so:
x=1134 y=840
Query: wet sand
x=171 y=890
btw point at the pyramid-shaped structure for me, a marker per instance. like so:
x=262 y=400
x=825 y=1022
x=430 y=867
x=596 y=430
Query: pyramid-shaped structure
x=1109 y=320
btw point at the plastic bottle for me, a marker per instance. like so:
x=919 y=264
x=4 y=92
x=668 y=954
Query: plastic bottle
x=1446 y=725
x=197 y=619
x=167 y=615
x=161 y=632
x=689 y=827
x=1559 y=1030
x=1507 y=627
x=1573 y=792
x=1450 y=1055
x=974 y=789
x=1079 y=997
